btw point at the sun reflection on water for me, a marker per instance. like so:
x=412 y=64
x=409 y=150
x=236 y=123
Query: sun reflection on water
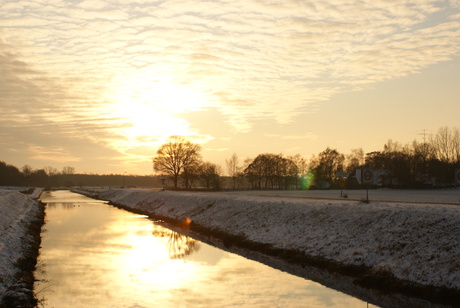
x=158 y=261
x=98 y=256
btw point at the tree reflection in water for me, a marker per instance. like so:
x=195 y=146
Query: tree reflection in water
x=179 y=245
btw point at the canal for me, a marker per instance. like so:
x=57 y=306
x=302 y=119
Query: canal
x=96 y=255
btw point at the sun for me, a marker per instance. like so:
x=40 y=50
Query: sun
x=160 y=95
x=168 y=98
x=153 y=108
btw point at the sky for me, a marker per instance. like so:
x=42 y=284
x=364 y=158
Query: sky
x=100 y=85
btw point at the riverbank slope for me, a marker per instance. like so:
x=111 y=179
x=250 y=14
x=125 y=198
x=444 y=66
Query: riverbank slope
x=21 y=218
x=406 y=246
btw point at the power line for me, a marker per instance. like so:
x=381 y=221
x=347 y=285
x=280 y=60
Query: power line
x=424 y=133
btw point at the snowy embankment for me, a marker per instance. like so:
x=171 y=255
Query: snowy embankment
x=17 y=212
x=415 y=243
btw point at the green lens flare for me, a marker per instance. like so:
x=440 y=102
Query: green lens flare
x=307 y=180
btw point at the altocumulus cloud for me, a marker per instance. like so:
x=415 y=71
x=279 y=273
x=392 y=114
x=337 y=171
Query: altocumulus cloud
x=249 y=59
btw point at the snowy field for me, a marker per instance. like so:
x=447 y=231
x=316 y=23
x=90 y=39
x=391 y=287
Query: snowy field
x=416 y=242
x=434 y=195
x=17 y=211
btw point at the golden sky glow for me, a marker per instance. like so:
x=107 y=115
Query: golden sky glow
x=99 y=84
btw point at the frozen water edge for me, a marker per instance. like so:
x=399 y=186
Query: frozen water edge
x=407 y=244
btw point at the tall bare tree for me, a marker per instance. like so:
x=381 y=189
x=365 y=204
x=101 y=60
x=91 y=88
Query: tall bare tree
x=233 y=168
x=327 y=164
x=354 y=160
x=27 y=170
x=301 y=163
x=175 y=157
x=50 y=171
x=209 y=174
x=68 y=170
x=446 y=143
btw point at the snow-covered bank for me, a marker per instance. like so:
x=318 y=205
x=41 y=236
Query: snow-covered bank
x=17 y=212
x=417 y=243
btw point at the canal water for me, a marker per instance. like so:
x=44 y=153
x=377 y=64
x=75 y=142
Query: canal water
x=96 y=255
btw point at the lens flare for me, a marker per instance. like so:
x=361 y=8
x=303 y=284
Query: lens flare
x=185 y=224
x=307 y=180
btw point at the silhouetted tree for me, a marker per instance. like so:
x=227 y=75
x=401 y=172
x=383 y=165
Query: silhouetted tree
x=190 y=174
x=233 y=168
x=10 y=175
x=50 y=171
x=271 y=171
x=27 y=170
x=209 y=174
x=446 y=144
x=177 y=156
x=255 y=172
x=327 y=164
x=301 y=169
x=354 y=160
x=68 y=170
x=38 y=178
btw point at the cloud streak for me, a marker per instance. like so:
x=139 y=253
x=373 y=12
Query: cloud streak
x=249 y=59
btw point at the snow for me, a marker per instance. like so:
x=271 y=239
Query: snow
x=415 y=238
x=17 y=210
x=417 y=242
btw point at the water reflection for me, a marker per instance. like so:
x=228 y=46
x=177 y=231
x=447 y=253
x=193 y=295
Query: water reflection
x=179 y=245
x=95 y=255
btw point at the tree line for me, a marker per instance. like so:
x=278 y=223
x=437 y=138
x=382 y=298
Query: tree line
x=178 y=163
x=27 y=176
x=67 y=177
x=431 y=163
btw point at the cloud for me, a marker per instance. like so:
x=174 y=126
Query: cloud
x=308 y=136
x=56 y=154
x=252 y=60
x=454 y=3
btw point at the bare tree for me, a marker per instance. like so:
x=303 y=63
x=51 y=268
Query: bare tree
x=301 y=163
x=210 y=174
x=27 y=170
x=272 y=171
x=327 y=164
x=233 y=168
x=50 y=171
x=68 y=170
x=456 y=143
x=446 y=144
x=354 y=160
x=420 y=154
x=176 y=156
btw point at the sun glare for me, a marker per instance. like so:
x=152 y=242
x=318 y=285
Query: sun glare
x=160 y=96
x=151 y=108
x=149 y=263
